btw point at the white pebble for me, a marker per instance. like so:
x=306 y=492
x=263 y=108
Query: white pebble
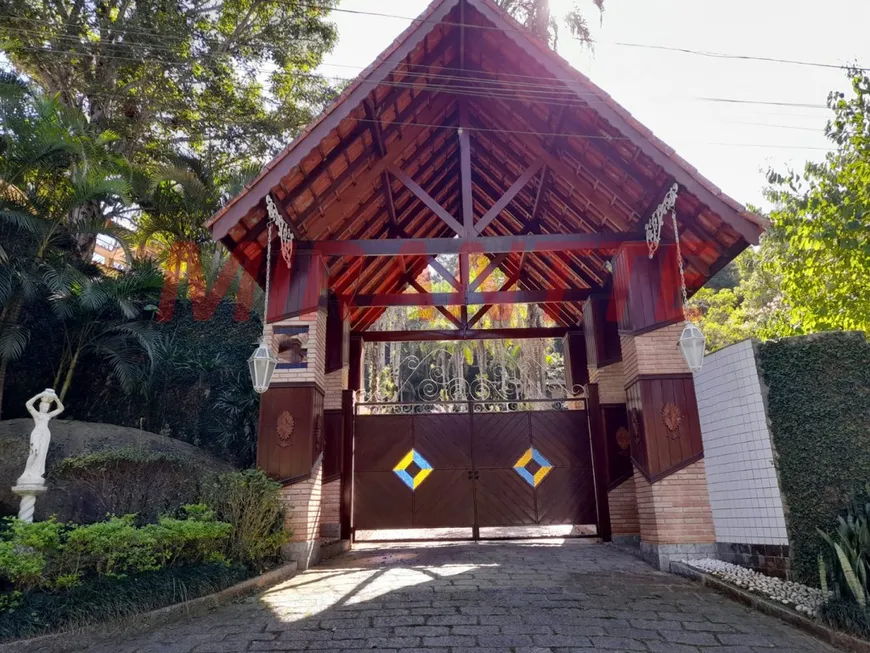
x=807 y=600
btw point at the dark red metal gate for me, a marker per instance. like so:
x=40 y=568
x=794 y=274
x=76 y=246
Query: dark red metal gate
x=473 y=469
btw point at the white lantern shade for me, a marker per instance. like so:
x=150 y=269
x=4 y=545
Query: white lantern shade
x=261 y=364
x=692 y=344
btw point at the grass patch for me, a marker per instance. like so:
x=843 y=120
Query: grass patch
x=846 y=616
x=106 y=599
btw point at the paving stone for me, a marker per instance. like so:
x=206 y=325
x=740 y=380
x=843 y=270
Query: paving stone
x=686 y=637
x=430 y=631
x=562 y=640
x=493 y=597
x=670 y=647
x=745 y=639
x=450 y=640
x=618 y=644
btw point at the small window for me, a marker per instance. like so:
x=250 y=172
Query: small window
x=99 y=259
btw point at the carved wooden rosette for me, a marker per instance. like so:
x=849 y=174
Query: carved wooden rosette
x=290 y=437
x=672 y=417
x=285 y=428
x=664 y=424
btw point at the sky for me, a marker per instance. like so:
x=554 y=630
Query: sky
x=733 y=144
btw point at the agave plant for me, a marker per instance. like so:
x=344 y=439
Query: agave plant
x=843 y=566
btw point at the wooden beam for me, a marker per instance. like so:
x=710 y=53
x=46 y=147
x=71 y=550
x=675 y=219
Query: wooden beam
x=465 y=165
x=505 y=199
x=443 y=272
x=450 y=316
x=481 y=245
x=468 y=334
x=424 y=197
x=491 y=267
x=600 y=466
x=346 y=499
x=548 y=296
x=483 y=310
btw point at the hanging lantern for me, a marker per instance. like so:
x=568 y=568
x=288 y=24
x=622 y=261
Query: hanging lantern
x=261 y=365
x=692 y=344
x=262 y=362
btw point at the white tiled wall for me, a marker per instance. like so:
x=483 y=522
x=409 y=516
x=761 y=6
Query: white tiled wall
x=741 y=478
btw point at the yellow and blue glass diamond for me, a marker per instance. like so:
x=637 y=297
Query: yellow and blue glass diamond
x=422 y=465
x=543 y=465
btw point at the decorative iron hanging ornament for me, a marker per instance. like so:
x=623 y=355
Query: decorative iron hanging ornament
x=692 y=341
x=657 y=220
x=262 y=362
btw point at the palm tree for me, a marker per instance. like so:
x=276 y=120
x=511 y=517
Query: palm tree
x=184 y=193
x=52 y=165
x=110 y=316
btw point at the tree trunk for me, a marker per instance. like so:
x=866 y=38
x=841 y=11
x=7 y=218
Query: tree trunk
x=69 y=374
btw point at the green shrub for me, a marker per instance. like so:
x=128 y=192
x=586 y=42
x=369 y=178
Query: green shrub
x=843 y=562
x=128 y=481
x=115 y=547
x=100 y=599
x=197 y=538
x=25 y=552
x=250 y=501
x=53 y=556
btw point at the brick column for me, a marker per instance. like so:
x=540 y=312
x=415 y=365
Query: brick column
x=291 y=436
x=673 y=508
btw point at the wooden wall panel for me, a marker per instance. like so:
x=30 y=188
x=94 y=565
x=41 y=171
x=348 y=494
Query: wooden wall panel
x=646 y=291
x=601 y=331
x=300 y=291
x=355 y=358
x=615 y=422
x=576 y=367
x=634 y=413
x=286 y=446
x=667 y=418
x=337 y=336
x=332 y=454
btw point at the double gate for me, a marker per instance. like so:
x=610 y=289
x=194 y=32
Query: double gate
x=473 y=469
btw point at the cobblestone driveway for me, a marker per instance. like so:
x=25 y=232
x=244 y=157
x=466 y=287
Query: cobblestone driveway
x=509 y=596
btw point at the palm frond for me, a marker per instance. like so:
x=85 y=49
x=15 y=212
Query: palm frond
x=13 y=340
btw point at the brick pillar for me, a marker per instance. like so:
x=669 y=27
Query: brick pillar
x=667 y=452
x=302 y=508
x=290 y=446
x=669 y=479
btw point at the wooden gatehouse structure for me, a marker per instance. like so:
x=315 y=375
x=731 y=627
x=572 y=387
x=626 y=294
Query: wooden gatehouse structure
x=469 y=136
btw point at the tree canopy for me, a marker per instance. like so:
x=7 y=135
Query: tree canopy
x=233 y=77
x=824 y=217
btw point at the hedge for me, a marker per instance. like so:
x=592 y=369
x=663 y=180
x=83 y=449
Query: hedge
x=106 y=599
x=819 y=409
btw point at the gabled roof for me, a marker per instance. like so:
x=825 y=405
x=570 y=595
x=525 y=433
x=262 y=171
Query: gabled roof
x=601 y=170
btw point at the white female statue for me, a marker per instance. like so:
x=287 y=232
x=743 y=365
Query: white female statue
x=32 y=481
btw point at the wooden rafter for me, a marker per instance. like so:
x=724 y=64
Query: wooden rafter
x=481 y=245
x=549 y=296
